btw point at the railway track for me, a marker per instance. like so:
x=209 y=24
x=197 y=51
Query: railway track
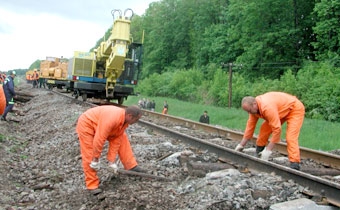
x=329 y=191
x=221 y=141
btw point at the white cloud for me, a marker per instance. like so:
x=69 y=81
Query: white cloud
x=33 y=31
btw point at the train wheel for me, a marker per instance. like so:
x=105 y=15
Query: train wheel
x=84 y=96
x=76 y=94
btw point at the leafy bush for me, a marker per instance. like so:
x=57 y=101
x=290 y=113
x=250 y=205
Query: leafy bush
x=315 y=84
x=318 y=84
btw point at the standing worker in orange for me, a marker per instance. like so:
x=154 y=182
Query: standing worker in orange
x=100 y=124
x=275 y=108
x=35 y=78
x=165 y=108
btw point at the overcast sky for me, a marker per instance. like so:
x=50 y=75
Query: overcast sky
x=31 y=30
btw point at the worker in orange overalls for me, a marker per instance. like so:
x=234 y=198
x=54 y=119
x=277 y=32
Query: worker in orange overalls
x=35 y=78
x=100 y=124
x=165 y=108
x=2 y=100
x=275 y=108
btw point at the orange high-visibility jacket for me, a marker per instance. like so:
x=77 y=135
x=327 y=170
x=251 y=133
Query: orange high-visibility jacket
x=2 y=100
x=35 y=75
x=105 y=123
x=94 y=127
x=273 y=107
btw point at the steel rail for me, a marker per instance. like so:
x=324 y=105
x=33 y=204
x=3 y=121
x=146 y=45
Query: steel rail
x=331 y=190
x=324 y=158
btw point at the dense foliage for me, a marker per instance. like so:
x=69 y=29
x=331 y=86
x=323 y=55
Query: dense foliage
x=191 y=46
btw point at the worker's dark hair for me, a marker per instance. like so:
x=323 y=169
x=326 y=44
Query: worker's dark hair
x=134 y=111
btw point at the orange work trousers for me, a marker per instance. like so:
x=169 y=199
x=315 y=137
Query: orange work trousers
x=86 y=136
x=2 y=100
x=165 y=111
x=294 y=123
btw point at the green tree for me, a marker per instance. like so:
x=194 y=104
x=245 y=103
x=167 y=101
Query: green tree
x=184 y=84
x=35 y=65
x=219 y=88
x=137 y=30
x=327 y=29
x=264 y=35
x=318 y=84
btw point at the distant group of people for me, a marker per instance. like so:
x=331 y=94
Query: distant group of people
x=147 y=104
x=37 y=81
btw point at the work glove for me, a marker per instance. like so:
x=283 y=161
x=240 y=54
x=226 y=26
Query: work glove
x=265 y=154
x=239 y=148
x=95 y=165
x=113 y=167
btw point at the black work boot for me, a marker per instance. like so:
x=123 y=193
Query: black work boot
x=95 y=191
x=138 y=169
x=3 y=118
x=295 y=166
x=259 y=149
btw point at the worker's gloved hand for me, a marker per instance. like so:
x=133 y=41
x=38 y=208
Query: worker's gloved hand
x=265 y=154
x=239 y=148
x=95 y=165
x=113 y=167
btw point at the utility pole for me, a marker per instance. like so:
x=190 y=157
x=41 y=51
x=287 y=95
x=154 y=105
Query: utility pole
x=230 y=65
x=230 y=84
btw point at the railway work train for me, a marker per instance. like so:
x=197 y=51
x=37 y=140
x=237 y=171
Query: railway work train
x=109 y=72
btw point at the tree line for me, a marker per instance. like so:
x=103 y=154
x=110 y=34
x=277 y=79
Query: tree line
x=273 y=45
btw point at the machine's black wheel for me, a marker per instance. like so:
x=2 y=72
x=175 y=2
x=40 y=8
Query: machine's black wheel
x=76 y=94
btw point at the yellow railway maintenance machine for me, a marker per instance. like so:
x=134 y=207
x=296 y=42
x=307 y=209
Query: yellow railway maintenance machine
x=111 y=71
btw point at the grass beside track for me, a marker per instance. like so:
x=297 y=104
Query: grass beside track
x=315 y=134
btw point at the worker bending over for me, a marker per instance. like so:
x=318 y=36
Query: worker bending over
x=275 y=108
x=100 y=124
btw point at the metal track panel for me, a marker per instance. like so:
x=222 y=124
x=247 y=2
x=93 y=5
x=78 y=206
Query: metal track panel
x=316 y=184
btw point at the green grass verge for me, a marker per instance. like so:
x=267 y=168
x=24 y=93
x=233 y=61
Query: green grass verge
x=315 y=134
